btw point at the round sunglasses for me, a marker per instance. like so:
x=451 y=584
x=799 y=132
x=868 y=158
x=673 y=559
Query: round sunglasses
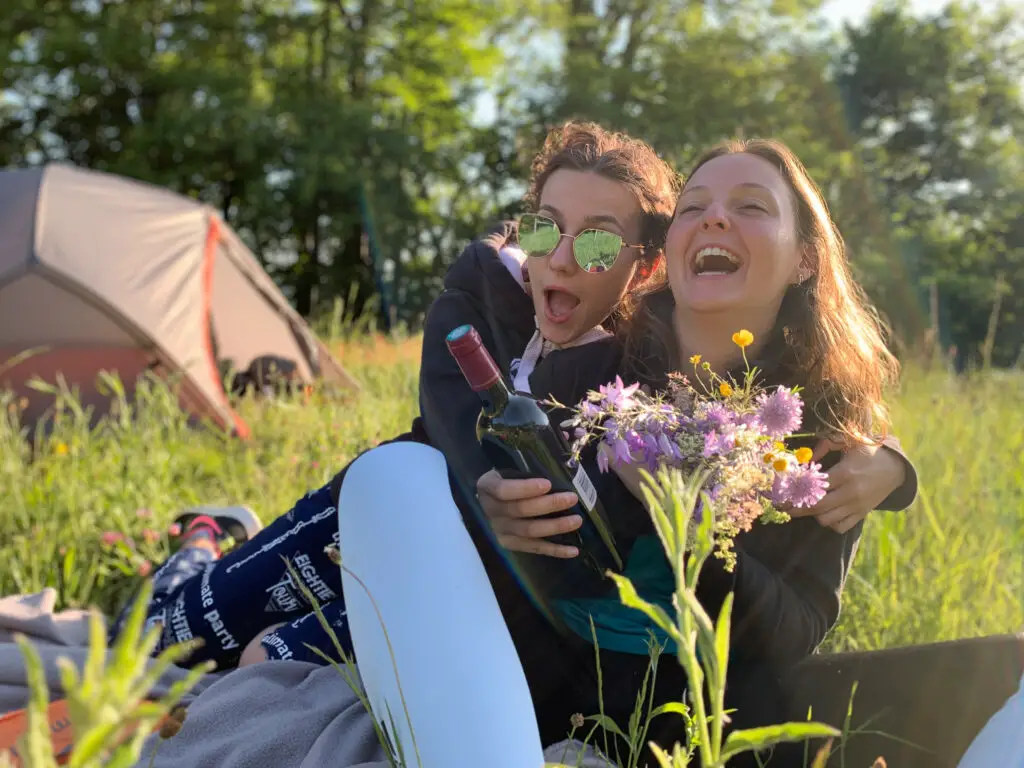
x=595 y=250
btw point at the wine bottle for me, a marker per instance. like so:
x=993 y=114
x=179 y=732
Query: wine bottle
x=516 y=434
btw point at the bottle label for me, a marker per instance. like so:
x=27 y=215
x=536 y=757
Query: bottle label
x=585 y=488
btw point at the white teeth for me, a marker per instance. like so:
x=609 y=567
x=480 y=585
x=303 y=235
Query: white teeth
x=702 y=255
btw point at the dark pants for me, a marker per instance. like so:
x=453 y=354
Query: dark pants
x=227 y=602
x=562 y=675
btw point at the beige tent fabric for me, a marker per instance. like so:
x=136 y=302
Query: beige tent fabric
x=90 y=260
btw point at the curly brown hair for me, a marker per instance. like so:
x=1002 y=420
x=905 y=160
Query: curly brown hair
x=586 y=146
x=829 y=334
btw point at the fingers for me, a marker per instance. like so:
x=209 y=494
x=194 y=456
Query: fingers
x=518 y=509
x=499 y=234
x=844 y=495
x=517 y=531
x=842 y=519
x=537 y=547
x=519 y=513
x=824 y=446
x=494 y=485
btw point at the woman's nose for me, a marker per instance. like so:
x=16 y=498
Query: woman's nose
x=715 y=218
x=562 y=258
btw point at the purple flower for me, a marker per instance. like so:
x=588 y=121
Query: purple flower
x=589 y=410
x=602 y=459
x=717 y=417
x=668 y=449
x=802 y=486
x=635 y=441
x=620 y=450
x=617 y=394
x=779 y=413
x=749 y=420
x=717 y=444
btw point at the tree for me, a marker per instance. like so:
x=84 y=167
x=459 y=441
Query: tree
x=295 y=121
x=936 y=105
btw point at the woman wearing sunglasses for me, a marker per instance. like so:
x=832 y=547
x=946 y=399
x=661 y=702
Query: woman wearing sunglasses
x=781 y=272
x=601 y=204
x=246 y=600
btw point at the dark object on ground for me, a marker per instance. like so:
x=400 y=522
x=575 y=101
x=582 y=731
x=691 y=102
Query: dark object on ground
x=938 y=696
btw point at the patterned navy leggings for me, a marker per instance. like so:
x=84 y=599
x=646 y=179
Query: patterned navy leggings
x=228 y=601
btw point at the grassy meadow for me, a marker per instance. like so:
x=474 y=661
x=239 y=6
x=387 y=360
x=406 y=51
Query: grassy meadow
x=89 y=513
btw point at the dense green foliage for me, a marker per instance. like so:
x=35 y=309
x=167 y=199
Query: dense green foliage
x=361 y=142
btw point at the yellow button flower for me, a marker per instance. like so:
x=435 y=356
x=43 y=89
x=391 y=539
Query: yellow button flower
x=743 y=339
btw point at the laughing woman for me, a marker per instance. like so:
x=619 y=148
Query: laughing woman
x=751 y=246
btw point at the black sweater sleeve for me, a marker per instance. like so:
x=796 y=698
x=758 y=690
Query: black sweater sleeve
x=904 y=496
x=448 y=406
x=503 y=316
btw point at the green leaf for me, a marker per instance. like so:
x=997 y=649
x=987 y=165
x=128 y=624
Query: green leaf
x=672 y=707
x=722 y=632
x=608 y=724
x=629 y=597
x=762 y=738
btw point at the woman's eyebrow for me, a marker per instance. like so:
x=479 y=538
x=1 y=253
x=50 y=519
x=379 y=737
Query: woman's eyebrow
x=597 y=218
x=603 y=218
x=745 y=185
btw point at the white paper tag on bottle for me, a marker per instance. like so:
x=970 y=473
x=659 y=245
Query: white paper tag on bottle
x=585 y=488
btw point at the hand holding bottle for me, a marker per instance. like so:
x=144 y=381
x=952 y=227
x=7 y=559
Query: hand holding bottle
x=513 y=508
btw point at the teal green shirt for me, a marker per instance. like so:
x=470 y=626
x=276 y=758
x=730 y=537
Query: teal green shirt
x=618 y=627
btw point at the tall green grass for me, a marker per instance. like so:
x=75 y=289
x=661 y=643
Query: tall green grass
x=949 y=567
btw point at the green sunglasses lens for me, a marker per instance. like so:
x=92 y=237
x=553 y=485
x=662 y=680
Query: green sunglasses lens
x=596 y=251
x=538 y=236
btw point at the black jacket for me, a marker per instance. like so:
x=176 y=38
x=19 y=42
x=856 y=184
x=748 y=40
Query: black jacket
x=789 y=578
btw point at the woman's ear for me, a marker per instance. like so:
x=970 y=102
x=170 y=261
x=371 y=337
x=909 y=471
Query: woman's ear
x=806 y=270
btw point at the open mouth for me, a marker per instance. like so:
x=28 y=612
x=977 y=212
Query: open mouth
x=715 y=262
x=559 y=304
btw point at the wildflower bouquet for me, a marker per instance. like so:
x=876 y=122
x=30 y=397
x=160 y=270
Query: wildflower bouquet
x=733 y=431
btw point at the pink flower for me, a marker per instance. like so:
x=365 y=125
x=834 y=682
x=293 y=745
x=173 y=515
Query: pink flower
x=145 y=568
x=617 y=394
x=780 y=413
x=150 y=536
x=144 y=514
x=802 y=486
x=718 y=444
x=110 y=538
x=174 y=529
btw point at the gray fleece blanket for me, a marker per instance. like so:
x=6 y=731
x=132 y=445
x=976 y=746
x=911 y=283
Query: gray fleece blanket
x=282 y=714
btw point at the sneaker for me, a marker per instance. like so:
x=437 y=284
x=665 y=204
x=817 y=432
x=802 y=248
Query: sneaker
x=239 y=523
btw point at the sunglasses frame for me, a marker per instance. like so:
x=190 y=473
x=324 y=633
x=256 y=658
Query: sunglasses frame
x=575 y=255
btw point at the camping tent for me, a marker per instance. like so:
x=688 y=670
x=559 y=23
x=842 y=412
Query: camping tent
x=99 y=272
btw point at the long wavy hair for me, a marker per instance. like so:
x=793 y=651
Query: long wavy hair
x=828 y=337
x=587 y=147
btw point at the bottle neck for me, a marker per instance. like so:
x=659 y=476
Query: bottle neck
x=495 y=397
